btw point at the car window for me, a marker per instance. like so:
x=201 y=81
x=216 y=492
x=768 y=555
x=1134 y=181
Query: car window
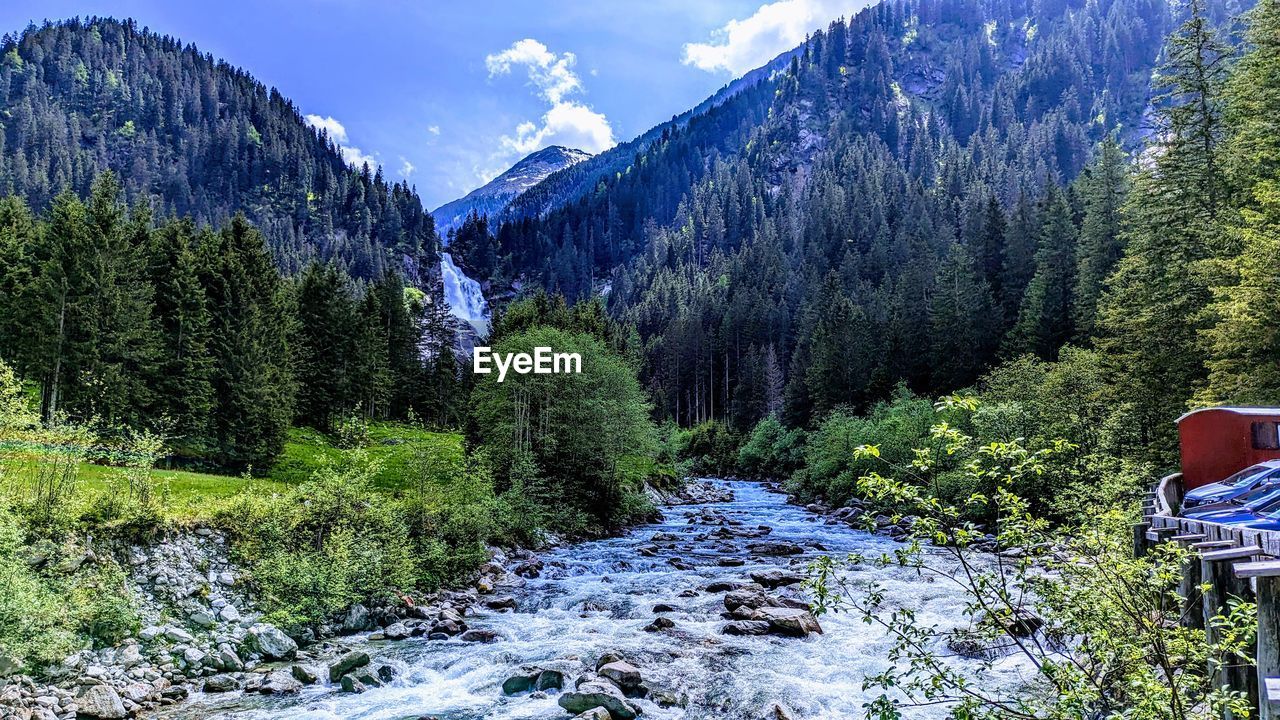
x=1262 y=500
x=1244 y=475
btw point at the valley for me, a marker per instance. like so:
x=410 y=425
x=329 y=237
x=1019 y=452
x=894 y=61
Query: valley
x=841 y=393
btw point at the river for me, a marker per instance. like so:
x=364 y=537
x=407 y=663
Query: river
x=597 y=596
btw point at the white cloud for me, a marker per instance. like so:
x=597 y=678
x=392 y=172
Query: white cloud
x=357 y=158
x=568 y=122
x=571 y=124
x=353 y=156
x=553 y=75
x=406 y=167
x=433 y=129
x=742 y=45
x=336 y=131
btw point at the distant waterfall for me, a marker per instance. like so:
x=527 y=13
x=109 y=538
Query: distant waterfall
x=463 y=296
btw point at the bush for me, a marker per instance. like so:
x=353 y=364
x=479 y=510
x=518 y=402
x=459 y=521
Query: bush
x=710 y=449
x=831 y=470
x=772 y=450
x=323 y=545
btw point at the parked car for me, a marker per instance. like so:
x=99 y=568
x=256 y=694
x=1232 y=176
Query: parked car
x=1263 y=513
x=1253 y=498
x=1262 y=475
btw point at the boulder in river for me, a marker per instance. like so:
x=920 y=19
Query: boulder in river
x=622 y=673
x=347 y=663
x=792 y=622
x=661 y=623
x=352 y=685
x=502 y=603
x=220 y=683
x=775 y=549
x=598 y=694
x=776 y=577
x=280 y=682
x=480 y=636
x=598 y=713
x=101 y=701
x=533 y=678
x=747 y=597
x=746 y=627
x=269 y=642
x=304 y=674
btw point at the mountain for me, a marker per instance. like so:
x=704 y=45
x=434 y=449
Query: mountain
x=195 y=136
x=494 y=196
x=812 y=227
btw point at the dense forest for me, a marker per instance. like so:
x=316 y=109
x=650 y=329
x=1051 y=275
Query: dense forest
x=927 y=190
x=194 y=137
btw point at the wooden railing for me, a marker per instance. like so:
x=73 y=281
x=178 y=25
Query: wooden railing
x=1234 y=562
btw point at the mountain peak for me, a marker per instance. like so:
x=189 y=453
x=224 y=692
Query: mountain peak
x=494 y=196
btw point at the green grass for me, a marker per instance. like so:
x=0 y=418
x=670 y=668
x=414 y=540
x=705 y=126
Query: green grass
x=396 y=450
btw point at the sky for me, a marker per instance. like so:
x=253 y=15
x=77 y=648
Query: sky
x=447 y=95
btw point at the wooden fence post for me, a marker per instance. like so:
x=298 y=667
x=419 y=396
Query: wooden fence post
x=1192 y=578
x=1223 y=584
x=1267 y=574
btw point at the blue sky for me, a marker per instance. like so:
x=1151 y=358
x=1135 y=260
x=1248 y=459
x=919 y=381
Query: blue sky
x=448 y=94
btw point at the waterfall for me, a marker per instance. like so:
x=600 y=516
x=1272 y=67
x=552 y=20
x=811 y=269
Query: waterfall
x=463 y=296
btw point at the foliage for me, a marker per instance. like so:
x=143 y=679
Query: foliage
x=831 y=469
x=771 y=450
x=575 y=428
x=1112 y=644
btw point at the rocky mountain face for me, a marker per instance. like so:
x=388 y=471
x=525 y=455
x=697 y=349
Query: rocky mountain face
x=493 y=197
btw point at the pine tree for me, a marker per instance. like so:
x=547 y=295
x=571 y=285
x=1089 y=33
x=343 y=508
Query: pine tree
x=1243 y=344
x=1044 y=321
x=1154 y=309
x=182 y=389
x=1103 y=187
x=961 y=321
x=251 y=322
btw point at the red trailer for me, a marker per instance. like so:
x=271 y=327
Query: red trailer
x=1216 y=442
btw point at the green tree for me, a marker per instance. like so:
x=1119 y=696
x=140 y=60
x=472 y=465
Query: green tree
x=1103 y=187
x=576 y=427
x=1044 y=321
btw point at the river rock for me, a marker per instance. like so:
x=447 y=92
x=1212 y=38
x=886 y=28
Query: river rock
x=622 y=673
x=280 y=682
x=775 y=549
x=102 y=701
x=747 y=597
x=269 y=642
x=502 y=603
x=1020 y=622
x=776 y=578
x=304 y=674
x=396 y=631
x=480 y=636
x=598 y=713
x=356 y=619
x=731 y=562
x=533 y=678
x=746 y=627
x=724 y=586
x=347 y=663
x=598 y=694
x=352 y=685
x=661 y=623
x=792 y=622
x=220 y=683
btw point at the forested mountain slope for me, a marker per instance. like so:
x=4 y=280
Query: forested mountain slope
x=202 y=137
x=902 y=203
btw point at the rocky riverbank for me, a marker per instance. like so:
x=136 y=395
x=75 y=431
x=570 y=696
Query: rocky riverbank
x=202 y=633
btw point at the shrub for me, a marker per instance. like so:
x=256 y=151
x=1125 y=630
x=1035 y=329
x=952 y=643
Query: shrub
x=772 y=450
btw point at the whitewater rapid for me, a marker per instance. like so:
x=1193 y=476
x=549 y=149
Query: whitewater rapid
x=597 y=596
